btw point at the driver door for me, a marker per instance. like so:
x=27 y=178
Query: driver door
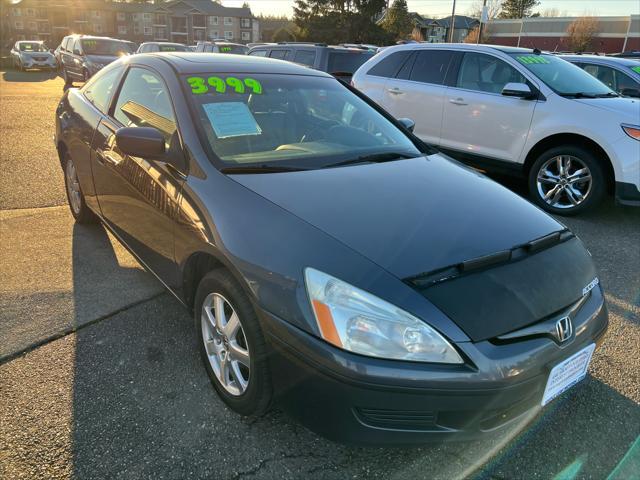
x=138 y=196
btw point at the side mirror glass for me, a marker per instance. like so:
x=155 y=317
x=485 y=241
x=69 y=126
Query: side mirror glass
x=631 y=92
x=407 y=123
x=144 y=142
x=520 y=90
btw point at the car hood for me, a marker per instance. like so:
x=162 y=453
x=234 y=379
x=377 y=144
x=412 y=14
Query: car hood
x=37 y=54
x=628 y=108
x=104 y=59
x=408 y=216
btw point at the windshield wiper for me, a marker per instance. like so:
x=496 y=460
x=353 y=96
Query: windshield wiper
x=578 y=95
x=261 y=169
x=607 y=95
x=373 y=158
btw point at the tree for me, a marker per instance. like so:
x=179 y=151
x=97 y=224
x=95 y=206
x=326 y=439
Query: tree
x=416 y=34
x=397 y=20
x=494 y=8
x=472 y=36
x=518 y=8
x=339 y=21
x=581 y=31
x=283 y=35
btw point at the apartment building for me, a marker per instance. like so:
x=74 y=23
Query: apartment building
x=184 y=21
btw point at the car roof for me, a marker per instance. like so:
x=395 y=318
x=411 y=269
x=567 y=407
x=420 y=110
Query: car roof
x=196 y=62
x=160 y=43
x=30 y=41
x=601 y=58
x=459 y=46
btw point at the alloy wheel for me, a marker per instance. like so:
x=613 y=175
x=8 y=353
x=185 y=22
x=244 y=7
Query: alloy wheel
x=225 y=344
x=564 y=181
x=73 y=187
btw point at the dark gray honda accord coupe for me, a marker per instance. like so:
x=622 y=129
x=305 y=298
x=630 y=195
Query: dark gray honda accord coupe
x=377 y=290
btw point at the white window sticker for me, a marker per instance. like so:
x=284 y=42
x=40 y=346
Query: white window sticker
x=231 y=119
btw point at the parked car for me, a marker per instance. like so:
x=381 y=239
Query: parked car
x=515 y=111
x=83 y=55
x=621 y=75
x=150 y=47
x=334 y=263
x=32 y=54
x=221 y=46
x=337 y=60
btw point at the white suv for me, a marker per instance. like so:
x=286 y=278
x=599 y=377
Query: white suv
x=515 y=111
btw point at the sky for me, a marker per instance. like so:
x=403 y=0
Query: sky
x=442 y=8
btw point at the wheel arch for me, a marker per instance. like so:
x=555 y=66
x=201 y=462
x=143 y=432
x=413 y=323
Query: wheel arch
x=62 y=150
x=577 y=140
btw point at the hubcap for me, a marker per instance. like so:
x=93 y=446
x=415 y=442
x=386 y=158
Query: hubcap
x=73 y=187
x=564 y=181
x=225 y=344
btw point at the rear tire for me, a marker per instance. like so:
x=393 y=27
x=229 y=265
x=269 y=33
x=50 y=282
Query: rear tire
x=247 y=391
x=567 y=180
x=81 y=213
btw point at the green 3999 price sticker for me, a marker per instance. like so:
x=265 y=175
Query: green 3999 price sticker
x=529 y=59
x=201 y=85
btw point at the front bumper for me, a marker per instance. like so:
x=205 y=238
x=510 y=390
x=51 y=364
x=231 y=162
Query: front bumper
x=360 y=400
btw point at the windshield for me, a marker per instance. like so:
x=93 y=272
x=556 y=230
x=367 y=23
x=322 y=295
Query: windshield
x=562 y=77
x=289 y=120
x=103 y=47
x=348 y=61
x=32 y=47
x=172 y=48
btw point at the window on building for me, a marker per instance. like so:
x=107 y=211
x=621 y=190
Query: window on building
x=41 y=13
x=122 y=29
x=96 y=13
x=30 y=12
x=161 y=33
x=199 y=34
x=214 y=34
x=19 y=25
x=213 y=20
x=97 y=28
x=228 y=35
x=246 y=23
x=228 y=21
x=145 y=102
x=136 y=29
x=136 y=17
x=148 y=31
x=246 y=35
x=17 y=12
x=199 y=21
x=32 y=26
x=121 y=16
x=146 y=17
x=161 y=19
x=43 y=27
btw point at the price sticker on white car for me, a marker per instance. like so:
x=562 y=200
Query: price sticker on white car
x=566 y=374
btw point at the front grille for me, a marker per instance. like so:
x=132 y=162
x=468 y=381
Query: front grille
x=40 y=59
x=397 y=419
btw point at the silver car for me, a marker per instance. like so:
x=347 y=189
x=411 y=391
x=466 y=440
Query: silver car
x=622 y=75
x=28 y=54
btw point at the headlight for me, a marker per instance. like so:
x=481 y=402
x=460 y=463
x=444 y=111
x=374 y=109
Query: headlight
x=631 y=130
x=362 y=323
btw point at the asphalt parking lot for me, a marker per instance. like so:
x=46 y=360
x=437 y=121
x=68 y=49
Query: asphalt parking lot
x=100 y=375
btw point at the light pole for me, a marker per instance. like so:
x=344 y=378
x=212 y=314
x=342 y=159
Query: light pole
x=484 y=17
x=453 y=22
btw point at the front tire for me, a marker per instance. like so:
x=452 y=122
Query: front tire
x=81 y=213
x=232 y=344
x=567 y=180
x=65 y=76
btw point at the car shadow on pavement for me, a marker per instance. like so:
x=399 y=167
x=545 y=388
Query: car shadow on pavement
x=29 y=76
x=143 y=406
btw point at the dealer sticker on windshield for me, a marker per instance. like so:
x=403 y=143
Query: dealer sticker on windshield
x=566 y=374
x=231 y=119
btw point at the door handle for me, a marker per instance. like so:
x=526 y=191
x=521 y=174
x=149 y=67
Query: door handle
x=106 y=157
x=395 y=91
x=457 y=101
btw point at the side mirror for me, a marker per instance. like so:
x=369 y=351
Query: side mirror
x=144 y=142
x=631 y=92
x=520 y=90
x=76 y=51
x=407 y=123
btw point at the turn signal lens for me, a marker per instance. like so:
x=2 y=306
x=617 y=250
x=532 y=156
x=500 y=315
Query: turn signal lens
x=632 y=131
x=355 y=320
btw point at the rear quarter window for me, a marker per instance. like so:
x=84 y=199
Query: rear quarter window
x=346 y=62
x=305 y=57
x=390 y=65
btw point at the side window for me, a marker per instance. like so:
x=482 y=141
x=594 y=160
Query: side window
x=65 y=43
x=100 y=88
x=389 y=66
x=305 y=57
x=486 y=73
x=625 y=82
x=280 y=54
x=405 y=71
x=258 y=53
x=76 y=47
x=606 y=75
x=144 y=102
x=431 y=66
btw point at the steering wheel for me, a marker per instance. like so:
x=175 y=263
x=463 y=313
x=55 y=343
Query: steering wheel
x=318 y=131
